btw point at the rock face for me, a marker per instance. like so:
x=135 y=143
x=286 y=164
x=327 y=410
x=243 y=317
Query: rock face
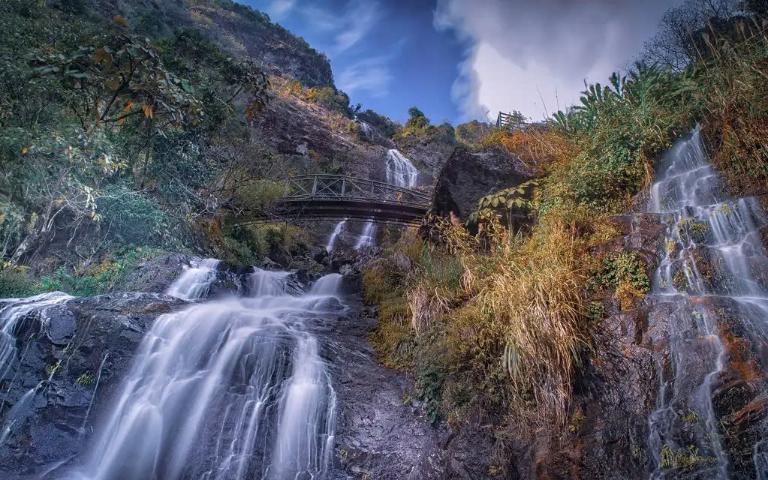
x=76 y=355
x=154 y=275
x=311 y=136
x=429 y=154
x=608 y=433
x=237 y=28
x=468 y=176
x=72 y=358
x=380 y=434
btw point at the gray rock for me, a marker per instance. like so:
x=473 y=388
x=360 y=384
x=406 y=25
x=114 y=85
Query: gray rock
x=468 y=176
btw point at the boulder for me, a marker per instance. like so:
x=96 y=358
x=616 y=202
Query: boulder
x=468 y=176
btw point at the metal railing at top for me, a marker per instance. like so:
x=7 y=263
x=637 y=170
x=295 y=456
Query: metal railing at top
x=345 y=188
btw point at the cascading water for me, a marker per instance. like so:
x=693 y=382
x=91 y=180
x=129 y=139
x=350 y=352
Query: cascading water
x=368 y=236
x=712 y=250
x=228 y=389
x=334 y=235
x=12 y=311
x=195 y=281
x=268 y=283
x=328 y=285
x=400 y=170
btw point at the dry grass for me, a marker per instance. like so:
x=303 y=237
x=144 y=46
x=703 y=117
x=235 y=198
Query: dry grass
x=530 y=298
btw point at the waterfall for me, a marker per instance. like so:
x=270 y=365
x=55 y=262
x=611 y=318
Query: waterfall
x=266 y=282
x=195 y=281
x=368 y=236
x=328 y=285
x=400 y=170
x=226 y=389
x=712 y=251
x=336 y=232
x=13 y=311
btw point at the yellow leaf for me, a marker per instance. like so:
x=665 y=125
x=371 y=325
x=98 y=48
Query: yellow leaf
x=120 y=20
x=25 y=150
x=102 y=56
x=149 y=110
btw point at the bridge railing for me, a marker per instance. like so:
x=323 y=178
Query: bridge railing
x=344 y=188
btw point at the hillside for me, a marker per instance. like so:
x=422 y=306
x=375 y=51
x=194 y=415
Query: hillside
x=586 y=297
x=239 y=30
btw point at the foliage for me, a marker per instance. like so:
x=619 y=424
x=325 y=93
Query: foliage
x=110 y=139
x=471 y=133
x=503 y=204
x=383 y=124
x=418 y=125
x=248 y=242
x=626 y=273
x=99 y=277
x=329 y=97
x=15 y=282
x=506 y=315
x=133 y=218
x=683 y=458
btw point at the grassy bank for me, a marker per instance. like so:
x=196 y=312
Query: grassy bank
x=502 y=321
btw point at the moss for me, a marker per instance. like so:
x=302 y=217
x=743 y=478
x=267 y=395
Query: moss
x=695 y=230
x=16 y=282
x=684 y=458
x=53 y=368
x=670 y=246
x=680 y=280
x=691 y=417
x=85 y=379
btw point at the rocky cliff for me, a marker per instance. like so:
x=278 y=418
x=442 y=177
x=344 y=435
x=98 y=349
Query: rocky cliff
x=238 y=29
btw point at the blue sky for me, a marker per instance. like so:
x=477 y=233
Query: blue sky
x=386 y=55
x=468 y=59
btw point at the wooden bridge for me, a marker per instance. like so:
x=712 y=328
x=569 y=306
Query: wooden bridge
x=340 y=196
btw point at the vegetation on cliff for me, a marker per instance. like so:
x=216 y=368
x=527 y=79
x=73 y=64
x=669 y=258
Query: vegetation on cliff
x=502 y=321
x=112 y=141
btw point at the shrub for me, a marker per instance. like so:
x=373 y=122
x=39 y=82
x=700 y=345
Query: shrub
x=626 y=273
x=100 y=277
x=15 y=282
x=246 y=243
x=129 y=216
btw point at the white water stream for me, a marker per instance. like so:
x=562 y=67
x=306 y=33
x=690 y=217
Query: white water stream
x=334 y=235
x=225 y=389
x=712 y=252
x=195 y=280
x=400 y=171
x=367 y=237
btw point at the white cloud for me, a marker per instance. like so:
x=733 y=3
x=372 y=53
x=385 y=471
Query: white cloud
x=278 y=9
x=347 y=28
x=535 y=56
x=360 y=18
x=370 y=76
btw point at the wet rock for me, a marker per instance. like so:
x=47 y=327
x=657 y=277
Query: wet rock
x=378 y=435
x=47 y=397
x=154 y=275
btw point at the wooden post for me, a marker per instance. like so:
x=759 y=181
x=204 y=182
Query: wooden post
x=314 y=185
x=343 y=186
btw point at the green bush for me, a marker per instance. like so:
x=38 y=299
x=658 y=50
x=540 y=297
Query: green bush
x=132 y=217
x=16 y=282
x=99 y=278
x=625 y=268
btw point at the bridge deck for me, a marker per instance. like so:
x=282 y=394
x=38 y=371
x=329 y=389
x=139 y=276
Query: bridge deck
x=339 y=196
